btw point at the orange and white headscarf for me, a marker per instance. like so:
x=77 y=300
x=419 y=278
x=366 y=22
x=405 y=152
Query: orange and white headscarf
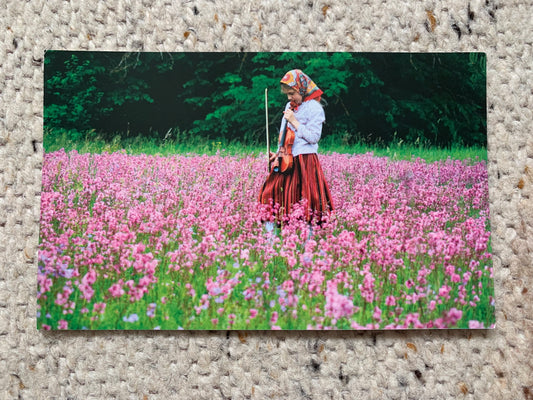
x=298 y=80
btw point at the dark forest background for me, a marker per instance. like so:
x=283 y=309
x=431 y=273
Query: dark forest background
x=438 y=99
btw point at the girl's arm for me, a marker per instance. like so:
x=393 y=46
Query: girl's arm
x=309 y=127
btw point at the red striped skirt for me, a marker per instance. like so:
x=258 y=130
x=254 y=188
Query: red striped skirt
x=305 y=182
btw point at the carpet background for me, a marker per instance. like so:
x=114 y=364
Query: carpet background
x=493 y=364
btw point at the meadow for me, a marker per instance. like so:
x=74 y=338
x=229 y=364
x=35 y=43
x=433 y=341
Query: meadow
x=166 y=241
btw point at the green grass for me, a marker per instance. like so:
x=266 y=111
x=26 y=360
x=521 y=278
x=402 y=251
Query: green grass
x=187 y=144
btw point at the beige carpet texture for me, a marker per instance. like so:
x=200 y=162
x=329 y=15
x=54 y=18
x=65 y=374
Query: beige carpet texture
x=462 y=364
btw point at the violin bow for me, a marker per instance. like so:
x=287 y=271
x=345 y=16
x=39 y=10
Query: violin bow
x=267 y=136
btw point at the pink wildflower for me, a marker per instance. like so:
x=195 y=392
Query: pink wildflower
x=116 y=290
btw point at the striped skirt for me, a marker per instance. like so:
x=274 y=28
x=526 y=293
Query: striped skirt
x=305 y=182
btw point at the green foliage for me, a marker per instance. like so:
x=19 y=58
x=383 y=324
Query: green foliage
x=235 y=109
x=373 y=98
x=78 y=89
x=439 y=98
x=83 y=89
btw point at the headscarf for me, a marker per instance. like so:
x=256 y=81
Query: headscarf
x=298 y=80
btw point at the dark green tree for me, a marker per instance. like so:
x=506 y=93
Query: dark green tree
x=435 y=98
x=235 y=107
x=84 y=90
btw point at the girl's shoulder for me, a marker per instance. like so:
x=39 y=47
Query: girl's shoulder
x=313 y=107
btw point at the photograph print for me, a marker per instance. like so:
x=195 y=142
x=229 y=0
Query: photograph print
x=264 y=191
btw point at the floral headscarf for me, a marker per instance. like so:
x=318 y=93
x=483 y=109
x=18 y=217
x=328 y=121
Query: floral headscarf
x=298 y=80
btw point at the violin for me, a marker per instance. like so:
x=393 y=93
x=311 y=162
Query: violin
x=285 y=160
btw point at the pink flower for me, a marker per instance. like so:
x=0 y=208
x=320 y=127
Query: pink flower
x=44 y=283
x=145 y=281
x=99 y=307
x=356 y=326
x=87 y=291
x=116 y=290
x=253 y=312
x=444 y=291
x=412 y=319
x=367 y=288
x=89 y=278
x=452 y=316
x=377 y=314
x=337 y=305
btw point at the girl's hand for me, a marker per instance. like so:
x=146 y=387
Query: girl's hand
x=289 y=116
x=272 y=157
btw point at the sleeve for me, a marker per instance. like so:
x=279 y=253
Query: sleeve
x=310 y=128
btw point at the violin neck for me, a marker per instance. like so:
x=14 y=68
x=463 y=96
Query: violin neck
x=284 y=135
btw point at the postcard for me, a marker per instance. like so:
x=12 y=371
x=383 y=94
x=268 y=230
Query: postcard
x=264 y=191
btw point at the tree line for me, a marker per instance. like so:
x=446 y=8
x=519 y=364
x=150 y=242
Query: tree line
x=438 y=99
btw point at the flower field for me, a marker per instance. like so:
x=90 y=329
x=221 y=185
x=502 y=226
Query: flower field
x=152 y=242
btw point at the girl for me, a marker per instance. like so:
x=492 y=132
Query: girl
x=304 y=117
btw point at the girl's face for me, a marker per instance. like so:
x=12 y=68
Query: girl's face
x=294 y=96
